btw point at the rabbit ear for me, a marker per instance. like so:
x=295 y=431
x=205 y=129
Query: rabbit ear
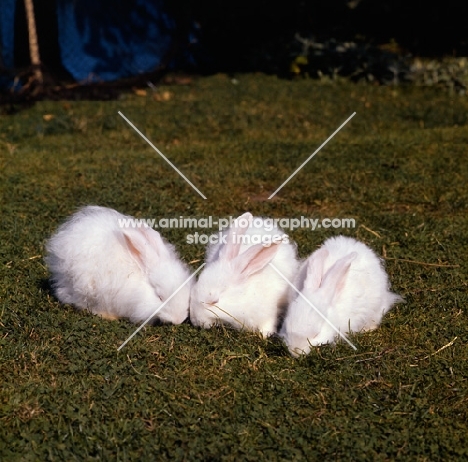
x=315 y=269
x=143 y=242
x=156 y=241
x=254 y=259
x=231 y=249
x=334 y=281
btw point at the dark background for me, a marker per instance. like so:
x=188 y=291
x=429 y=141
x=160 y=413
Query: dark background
x=256 y=35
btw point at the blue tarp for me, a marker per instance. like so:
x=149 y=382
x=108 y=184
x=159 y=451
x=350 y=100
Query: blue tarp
x=102 y=40
x=108 y=39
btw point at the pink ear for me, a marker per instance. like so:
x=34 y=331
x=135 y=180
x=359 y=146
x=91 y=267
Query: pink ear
x=143 y=242
x=137 y=246
x=335 y=279
x=234 y=237
x=255 y=258
x=315 y=269
x=155 y=240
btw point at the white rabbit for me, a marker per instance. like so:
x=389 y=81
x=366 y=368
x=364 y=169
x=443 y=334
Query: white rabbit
x=113 y=271
x=345 y=281
x=238 y=286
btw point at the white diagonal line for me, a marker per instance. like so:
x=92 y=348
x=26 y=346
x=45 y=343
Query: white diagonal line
x=316 y=309
x=162 y=155
x=160 y=308
x=316 y=151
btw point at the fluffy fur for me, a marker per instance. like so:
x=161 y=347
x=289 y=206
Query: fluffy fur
x=238 y=286
x=346 y=282
x=116 y=272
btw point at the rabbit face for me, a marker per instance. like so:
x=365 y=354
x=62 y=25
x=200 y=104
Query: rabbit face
x=170 y=286
x=211 y=298
x=302 y=325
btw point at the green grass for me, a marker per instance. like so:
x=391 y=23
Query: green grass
x=179 y=393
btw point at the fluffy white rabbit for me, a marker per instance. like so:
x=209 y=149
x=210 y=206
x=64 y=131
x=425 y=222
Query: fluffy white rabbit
x=345 y=281
x=238 y=286
x=116 y=272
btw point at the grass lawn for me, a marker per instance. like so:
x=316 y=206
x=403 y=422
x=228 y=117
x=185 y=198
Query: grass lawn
x=399 y=168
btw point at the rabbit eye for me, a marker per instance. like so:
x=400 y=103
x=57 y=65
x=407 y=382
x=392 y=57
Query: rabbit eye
x=158 y=292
